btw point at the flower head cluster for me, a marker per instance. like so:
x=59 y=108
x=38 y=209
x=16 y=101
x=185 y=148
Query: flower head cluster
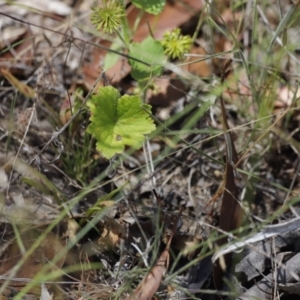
x=176 y=45
x=109 y=16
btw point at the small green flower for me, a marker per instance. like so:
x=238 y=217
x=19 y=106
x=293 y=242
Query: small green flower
x=176 y=45
x=109 y=16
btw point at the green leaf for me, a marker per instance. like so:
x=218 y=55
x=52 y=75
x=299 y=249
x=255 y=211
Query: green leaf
x=151 y=52
x=150 y=6
x=117 y=121
x=111 y=58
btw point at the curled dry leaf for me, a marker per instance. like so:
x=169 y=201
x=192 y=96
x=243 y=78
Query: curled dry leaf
x=41 y=256
x=285 y=274
x=231 y=214
x=150 y=284
x=112 y=233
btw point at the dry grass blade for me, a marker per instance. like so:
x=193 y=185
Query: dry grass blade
x=21 y=87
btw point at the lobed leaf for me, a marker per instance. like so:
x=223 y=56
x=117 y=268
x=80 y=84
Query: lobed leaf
x=112 y=58
x=117 y=121
x=150 y=6
x=151 y=52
